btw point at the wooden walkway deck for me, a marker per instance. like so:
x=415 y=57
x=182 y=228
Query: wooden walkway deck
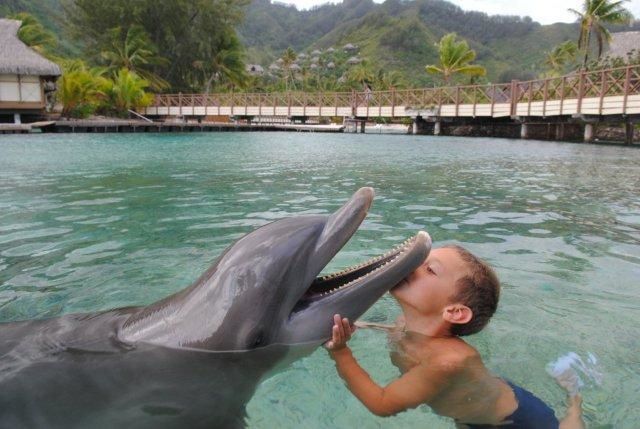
x=139 y=126
x=612 y=92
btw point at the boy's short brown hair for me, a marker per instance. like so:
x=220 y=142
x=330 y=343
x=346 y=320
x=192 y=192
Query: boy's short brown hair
x=479 y=290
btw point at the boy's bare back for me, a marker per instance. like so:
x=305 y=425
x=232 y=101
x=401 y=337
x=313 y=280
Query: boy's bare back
x=467 y=391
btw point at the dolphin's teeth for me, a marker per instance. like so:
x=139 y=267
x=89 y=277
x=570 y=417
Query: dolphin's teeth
x=379 y=262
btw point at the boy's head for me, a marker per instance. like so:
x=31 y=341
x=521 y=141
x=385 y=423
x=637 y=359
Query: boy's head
x=478 y=289
x=455 y=284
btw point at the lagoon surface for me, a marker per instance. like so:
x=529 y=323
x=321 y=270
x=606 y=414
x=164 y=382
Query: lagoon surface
x=91 y=222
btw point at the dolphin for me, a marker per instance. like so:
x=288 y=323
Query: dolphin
x=195 y=358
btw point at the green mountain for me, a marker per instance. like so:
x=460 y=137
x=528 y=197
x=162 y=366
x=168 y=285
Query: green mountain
x=50 y=14
x=395 y=35
x=402 y=35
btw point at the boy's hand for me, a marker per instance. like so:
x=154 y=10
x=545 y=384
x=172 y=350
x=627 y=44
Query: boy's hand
x=341 y=333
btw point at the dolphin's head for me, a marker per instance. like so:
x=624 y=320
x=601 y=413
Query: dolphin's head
x=265 y=288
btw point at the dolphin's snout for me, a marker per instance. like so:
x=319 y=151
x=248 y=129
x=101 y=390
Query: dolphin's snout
x=424 y=239
x=362 y=199
x=342 y=224
x=368 y=191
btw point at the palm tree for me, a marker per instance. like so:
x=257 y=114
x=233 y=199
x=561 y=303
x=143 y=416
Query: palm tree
x=126 y=91
x=390 y=80
x=288 y=59
x=305 y=76
x=361 y=74
x=135 y=52
x=596 y=13
x=33 y=34
x=327 y=85
x=560 y=58
x=227 y=64
x=79 y=89
x=455 y=58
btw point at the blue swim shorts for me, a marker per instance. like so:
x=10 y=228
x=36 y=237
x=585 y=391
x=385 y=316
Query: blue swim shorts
x=531 y=413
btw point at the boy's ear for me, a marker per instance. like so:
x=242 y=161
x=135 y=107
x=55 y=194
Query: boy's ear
x=457 y=313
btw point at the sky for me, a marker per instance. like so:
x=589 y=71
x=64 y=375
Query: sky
x=543 y=11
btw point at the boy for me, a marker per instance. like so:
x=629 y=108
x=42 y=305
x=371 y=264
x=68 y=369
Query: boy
x=451 y=294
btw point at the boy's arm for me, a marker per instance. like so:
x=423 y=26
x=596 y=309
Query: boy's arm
x=417 y=386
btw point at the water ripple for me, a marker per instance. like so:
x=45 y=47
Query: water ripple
x=91 y=222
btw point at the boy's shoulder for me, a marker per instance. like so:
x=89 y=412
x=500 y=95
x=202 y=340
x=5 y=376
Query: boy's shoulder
x=454 y=354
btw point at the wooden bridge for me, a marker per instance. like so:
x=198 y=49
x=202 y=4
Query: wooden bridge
x=586 y=98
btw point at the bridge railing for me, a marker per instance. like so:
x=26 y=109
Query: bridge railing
x=523 y=97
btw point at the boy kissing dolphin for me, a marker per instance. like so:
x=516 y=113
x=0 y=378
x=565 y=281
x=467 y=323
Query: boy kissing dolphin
x=196 y=357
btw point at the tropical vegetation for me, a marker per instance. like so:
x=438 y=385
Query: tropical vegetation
x=455 y=59
x=33 y=33
x=226 y=68
x=131 y=48
x=561 y=59
x=593 y=17
x=79 y=89
x=84 y=90
x=288 y=60
x=125 y=91
x=188 y=32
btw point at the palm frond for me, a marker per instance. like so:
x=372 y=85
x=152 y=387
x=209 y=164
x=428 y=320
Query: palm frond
x=434 y=69
x=472 y=70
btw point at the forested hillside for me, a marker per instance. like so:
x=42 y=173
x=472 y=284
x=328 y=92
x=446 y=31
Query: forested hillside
x=393 y=36
x=48 y=12
x=402 y=35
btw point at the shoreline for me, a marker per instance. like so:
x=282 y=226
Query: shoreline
x=133 y=126
x=115 y=126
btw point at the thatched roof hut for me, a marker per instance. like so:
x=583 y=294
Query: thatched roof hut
x=254 y=69
x=623 y=43
x=349 y=47
x=27 y=79
x=16 y=58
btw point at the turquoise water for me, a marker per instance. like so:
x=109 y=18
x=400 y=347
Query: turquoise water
x=91 y=222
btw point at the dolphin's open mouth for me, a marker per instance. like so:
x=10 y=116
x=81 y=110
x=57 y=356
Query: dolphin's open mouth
x=351 y=277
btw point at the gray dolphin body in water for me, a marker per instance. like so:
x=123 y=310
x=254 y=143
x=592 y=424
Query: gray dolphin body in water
x=194 y=359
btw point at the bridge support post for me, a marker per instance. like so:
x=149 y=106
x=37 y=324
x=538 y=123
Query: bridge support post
x=414 y=130
x=524 y=131
x=588 y=133
x=362 y=125
x=437 y=128
x=628 y=128
x=559 y=131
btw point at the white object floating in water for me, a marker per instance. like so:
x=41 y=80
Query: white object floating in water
x=568 y=369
